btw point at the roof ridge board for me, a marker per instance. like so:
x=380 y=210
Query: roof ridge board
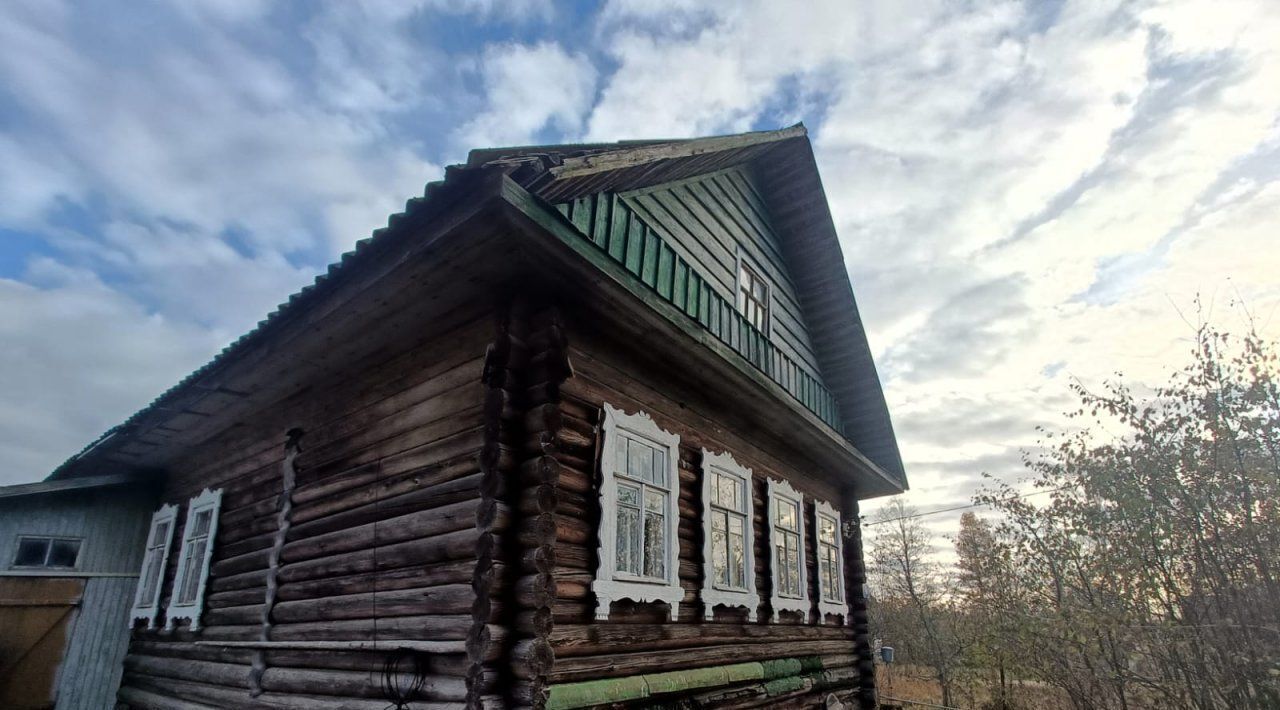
x=633 y=156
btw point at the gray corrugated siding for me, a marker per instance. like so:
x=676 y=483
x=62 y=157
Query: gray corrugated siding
x=93 y=664
x=113 y=526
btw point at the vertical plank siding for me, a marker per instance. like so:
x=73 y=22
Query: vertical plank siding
x=683 y=239
x=388 y=520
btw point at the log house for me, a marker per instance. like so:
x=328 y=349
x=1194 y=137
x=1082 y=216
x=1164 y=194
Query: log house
x=583 y=426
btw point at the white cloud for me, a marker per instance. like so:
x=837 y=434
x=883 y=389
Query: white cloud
x=78 y=359
x=529 y=89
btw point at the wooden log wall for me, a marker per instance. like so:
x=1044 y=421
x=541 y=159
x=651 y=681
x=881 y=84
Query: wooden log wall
x=392 y=523
x=637 y=639
x=543 y=367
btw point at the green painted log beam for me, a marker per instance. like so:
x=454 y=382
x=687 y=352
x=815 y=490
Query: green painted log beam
x=779 y=677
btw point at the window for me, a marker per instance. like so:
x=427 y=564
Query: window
x=47 y=552
x=146 y=601
x=728 y=544
x=639 y=487
x=830 y=561
x=753 y=296
x=786 y=536
x=187 y=599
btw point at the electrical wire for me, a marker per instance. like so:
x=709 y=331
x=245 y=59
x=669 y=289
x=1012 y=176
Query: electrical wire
x=867 y=524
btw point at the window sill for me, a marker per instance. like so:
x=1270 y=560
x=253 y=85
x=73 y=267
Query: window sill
x=608 y=591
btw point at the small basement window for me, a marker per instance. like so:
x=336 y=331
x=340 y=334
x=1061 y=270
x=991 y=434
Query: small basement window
x=47 y=552
x=753 y=296
x=728 y=547
x=639 y=489
x=194 y=557
x=830 y=561
x=786 y=536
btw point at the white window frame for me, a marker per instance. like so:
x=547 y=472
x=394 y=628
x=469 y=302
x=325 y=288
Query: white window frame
x=830 y=603
x=745 y=262
x=210 y=500
x=781 y=490
x=147 y=609
x=712 y=595
x=610 y=585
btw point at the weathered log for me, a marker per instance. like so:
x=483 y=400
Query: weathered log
x=457 y=545
x=446 y=599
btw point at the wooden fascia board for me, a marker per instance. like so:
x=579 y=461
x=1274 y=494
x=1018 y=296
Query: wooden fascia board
x=567 y=243
x=70 y=484
x=632 y=157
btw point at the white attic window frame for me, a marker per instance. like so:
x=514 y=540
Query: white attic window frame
x=181 y=604
x=741 y=298
x=154 y=561
x=831 y=601
x=782 y=491
x=713 y=593
x=610 y=584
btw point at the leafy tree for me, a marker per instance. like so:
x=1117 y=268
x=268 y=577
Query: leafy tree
x=1151 y=577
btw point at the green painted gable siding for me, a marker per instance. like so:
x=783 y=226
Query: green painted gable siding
x=708 y=221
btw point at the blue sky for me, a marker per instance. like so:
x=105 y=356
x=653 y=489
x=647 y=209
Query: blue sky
x=1026 y=192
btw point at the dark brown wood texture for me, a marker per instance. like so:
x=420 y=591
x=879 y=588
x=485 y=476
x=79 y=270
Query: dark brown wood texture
x=392 y=514
x=637 y=639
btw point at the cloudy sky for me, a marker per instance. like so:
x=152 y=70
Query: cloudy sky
x=1026 y=192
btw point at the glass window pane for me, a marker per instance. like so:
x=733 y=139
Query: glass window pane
x=64 y=553
x=639 y=460
x=718 y=522
x=202 y=523
x=628 y=552
x=191 y=575
x=655 y=500
x=32 y=552
x=160 y=535
x=780 y=574
x=729 y=492
x=148 y=594
x=719 y=557
x=826 y=529
x=737 y=565
x=628 y=495
x=655 y=549
x=787 y=515
x=659 y=467
x=793 y=564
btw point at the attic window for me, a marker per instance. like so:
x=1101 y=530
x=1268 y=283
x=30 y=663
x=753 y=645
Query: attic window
x=47 y=552
x=753 y=296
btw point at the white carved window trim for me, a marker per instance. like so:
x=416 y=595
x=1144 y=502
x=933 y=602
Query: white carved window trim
x=155 y=558
x=830 y=601
x=208 y=501
x=713 y=595
x=782 y=491
x=610 y=585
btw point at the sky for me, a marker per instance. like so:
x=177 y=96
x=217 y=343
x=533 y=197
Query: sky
x=1027 y=194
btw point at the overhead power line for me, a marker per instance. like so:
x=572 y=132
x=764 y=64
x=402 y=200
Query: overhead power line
x=867 y=524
